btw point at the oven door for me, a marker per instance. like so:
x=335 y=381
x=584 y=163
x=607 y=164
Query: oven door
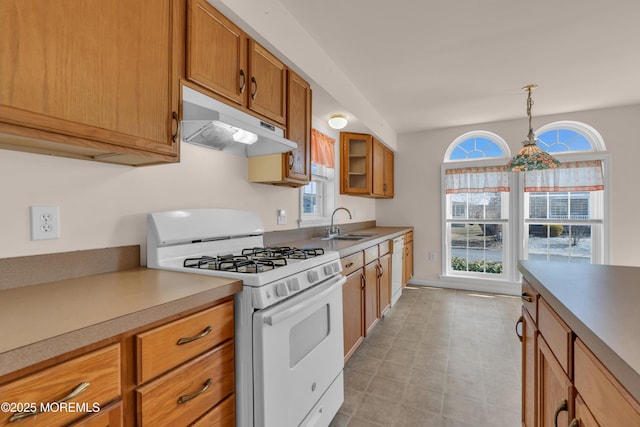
x=297 y=354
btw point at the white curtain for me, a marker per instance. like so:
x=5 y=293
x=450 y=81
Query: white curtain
x=491 y=179
x=569 y=176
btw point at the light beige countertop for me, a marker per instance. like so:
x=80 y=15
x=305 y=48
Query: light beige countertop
x=601 y=304
x=347 y=247
x=43 y=321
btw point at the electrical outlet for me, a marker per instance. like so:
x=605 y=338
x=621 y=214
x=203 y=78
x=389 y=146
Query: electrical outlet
x=432 y=256
x=45 y=222
x=282 y=217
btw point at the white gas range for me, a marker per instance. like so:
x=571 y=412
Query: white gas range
x=289 y=344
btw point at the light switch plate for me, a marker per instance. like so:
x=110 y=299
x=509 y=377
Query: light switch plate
x=45 y=222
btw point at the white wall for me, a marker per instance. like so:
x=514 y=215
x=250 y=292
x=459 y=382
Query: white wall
x=104 y=205
x=417 y=199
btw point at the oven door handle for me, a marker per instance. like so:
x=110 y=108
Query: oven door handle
x=329 y=286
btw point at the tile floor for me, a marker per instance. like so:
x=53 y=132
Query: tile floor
x=440 y=358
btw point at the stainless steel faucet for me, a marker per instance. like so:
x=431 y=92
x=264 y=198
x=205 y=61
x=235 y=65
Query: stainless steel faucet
x=332 y=231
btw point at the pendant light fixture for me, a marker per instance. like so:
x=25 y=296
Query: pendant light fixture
x=531 y=157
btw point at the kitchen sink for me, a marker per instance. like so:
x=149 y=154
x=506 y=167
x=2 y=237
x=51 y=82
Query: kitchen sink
x=348 y=236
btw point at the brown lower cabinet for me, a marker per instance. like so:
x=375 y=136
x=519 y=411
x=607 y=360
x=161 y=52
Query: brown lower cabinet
x=175 y=371
x=563 y=382
x=366 y=295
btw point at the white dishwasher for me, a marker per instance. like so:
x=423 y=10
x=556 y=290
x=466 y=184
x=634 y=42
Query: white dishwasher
x=396 y=269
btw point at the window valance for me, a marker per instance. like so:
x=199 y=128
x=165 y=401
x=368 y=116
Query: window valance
x=322 y=149
x=491 y=179
x=569 y=176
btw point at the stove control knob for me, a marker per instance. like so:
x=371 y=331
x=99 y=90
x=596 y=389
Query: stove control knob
x=281 y=289
x=312 y=275
x=293 y=285
x=328 y=269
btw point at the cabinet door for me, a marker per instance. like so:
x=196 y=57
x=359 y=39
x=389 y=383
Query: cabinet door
x=384 y=284
x=529 y=370
x=353 y=331
x=407 y=261
x=267 y=93
x=389 y=158
x=297 y=164
x=216 y=52
x=555 y=391
x=355 y=163
x=377 y=169
x=100 y=71
x=584 y=417
x=370 y=296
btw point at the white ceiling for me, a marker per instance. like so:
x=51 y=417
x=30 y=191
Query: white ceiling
x=425 y=64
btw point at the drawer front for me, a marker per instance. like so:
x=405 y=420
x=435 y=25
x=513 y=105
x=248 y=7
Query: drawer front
x=223 y=415
x=583 y=414
x=530 y=299
x=351 y=263
x=100 y=369
x=168 y=346
x=370 y=254
x=609 y=403
x=110 y=416
x=556 y=333
x=181 y=396
x=383 y=248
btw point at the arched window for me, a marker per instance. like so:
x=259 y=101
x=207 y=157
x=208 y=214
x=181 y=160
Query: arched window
x=564 y=209
x=477 y=145
x=476 y=207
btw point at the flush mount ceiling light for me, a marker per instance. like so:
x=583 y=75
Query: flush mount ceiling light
x=531 y=157
x=338 y=121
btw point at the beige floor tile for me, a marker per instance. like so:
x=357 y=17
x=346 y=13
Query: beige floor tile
x=377 y=410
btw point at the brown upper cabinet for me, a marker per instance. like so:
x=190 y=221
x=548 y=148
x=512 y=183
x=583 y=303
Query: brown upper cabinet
x=366 y=166
x=224 y=60
x=91 y=80
x=293 y=168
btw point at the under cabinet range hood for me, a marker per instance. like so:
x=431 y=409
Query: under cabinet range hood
x=213 y=124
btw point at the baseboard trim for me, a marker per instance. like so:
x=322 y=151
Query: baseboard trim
x=505 y=288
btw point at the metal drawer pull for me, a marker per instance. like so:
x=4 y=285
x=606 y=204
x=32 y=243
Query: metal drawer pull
x=19 y=416
x=255 y=85
x=527 y=297
x=188 y=397
x=574 y=423
x=204 y=333
x=519 y=322
x=563 y=407
x=349 y=265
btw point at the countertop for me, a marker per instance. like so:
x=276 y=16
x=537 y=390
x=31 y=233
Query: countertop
x=601 y=304
x=46 y=320
x=347 y=247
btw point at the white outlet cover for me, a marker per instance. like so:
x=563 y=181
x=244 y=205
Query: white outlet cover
x=45 y=222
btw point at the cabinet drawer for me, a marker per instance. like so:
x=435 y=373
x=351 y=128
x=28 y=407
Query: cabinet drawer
x=607 y=400
x=110 y=416
x=182 y=395
x=100 y=369
x=530 y=299
x=370 y=254
x=223 y=415
x=583 y=414
x=351 y=263
x=383 y=248
x=556 y=333
x=167 y=346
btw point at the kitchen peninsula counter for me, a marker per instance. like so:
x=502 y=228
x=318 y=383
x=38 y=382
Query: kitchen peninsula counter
x=601 y=305
x=40 y=322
